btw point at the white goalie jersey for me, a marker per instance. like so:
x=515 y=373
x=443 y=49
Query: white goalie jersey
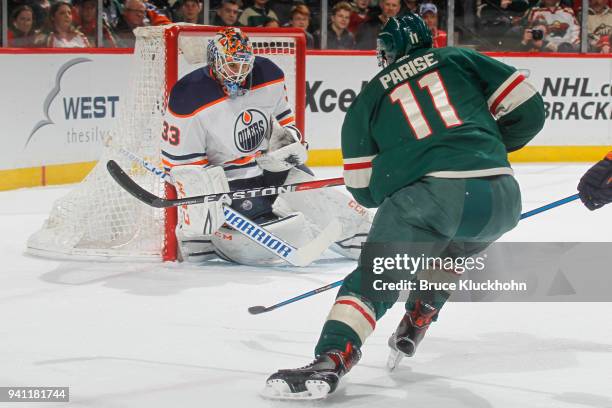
x=204 y=126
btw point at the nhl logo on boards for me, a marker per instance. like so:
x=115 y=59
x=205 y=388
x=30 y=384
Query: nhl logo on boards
x=250 y=129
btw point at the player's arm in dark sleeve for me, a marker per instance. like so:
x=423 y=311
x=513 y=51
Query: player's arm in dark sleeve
x=358 y=151
x=513 y=101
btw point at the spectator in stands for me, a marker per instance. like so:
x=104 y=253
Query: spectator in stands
x=366 y=35
x=257 y=15
x=21 y=32
x=40 y=8
x=227 y=14
x=338 y=35
x=136 y=14
x=60 y=32
x=111 y=10
x=429 y=12
x=283 y=8
x=499 y=23
x=534 y=40
x=411 y=6
x=271 y=23
x=300 y=18
x=599 y=26
x=88 y=16
x=359 y=14
x=190 y=11
x=561 y=28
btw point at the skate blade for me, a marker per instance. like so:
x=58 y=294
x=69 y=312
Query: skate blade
x=394 y=359
x=280 y=390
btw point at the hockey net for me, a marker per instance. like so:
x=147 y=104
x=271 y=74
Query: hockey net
x=98 y=219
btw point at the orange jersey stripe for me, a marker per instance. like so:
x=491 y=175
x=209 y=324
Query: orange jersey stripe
x=245 y=159
x=287 y=121
x=199 y=162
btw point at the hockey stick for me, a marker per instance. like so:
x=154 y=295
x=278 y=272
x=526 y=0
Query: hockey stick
x=263 y=309
x=550 y=206
x=302 y=256
x=146 y=197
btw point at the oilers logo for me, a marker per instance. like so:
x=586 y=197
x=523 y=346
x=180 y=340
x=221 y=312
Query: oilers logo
x=250 y=129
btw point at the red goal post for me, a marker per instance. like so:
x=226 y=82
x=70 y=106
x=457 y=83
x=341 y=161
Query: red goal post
x=296 y=47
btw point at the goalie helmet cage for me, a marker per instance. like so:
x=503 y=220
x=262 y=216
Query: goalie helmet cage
x=98 y=220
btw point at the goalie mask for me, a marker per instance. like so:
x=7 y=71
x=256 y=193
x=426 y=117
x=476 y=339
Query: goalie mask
x=231 y=58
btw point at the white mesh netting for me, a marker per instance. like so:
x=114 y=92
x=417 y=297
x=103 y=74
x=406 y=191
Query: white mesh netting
x=98 y=219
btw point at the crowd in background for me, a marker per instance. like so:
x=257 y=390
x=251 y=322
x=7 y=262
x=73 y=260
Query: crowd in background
x=508 y=25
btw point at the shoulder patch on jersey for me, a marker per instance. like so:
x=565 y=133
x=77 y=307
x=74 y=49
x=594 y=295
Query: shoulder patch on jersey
x=265 y=71
x=193 y=91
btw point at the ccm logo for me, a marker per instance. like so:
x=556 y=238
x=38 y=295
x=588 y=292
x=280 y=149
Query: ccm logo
x=357 y=208
x=227 y=237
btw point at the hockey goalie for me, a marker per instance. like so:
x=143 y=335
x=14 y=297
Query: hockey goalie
x=229 y=126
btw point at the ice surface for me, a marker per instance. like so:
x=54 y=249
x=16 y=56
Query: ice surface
x=177 y=335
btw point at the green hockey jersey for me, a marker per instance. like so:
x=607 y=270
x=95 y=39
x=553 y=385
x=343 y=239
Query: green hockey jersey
x=445 y=112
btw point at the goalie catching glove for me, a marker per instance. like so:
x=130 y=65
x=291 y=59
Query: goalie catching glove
x=285 y=149
x=200 y=220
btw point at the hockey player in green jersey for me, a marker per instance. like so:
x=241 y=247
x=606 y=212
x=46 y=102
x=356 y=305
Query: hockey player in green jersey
x=426 y=142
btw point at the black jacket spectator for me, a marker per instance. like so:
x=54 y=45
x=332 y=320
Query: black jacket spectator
x=344 y=41
x=367 y=32
x=217 y=21
x=338 y=36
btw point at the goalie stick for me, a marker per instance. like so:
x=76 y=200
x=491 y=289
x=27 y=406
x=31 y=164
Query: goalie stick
x=151 y=199
x=302 y=256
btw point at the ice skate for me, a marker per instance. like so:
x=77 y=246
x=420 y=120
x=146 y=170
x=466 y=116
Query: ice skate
x=314 y=381
x=411 y=330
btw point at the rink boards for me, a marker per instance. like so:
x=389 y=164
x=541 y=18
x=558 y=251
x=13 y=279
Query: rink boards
x=57 y=108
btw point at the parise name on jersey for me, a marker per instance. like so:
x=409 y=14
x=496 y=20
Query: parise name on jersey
x=408 y=69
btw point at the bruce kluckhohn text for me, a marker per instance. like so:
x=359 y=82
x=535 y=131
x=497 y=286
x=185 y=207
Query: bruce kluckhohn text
x=493 y=285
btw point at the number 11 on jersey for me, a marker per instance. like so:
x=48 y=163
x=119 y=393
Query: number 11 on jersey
x=412 y=110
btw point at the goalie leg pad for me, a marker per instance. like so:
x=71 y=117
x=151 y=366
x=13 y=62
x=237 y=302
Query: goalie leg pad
x=321 y=206
x=199 y=220
x=196 y=250
x=235 y=247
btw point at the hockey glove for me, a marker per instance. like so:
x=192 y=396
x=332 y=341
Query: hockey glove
x=200 y=220
x=285 y=149
x=595 y=187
